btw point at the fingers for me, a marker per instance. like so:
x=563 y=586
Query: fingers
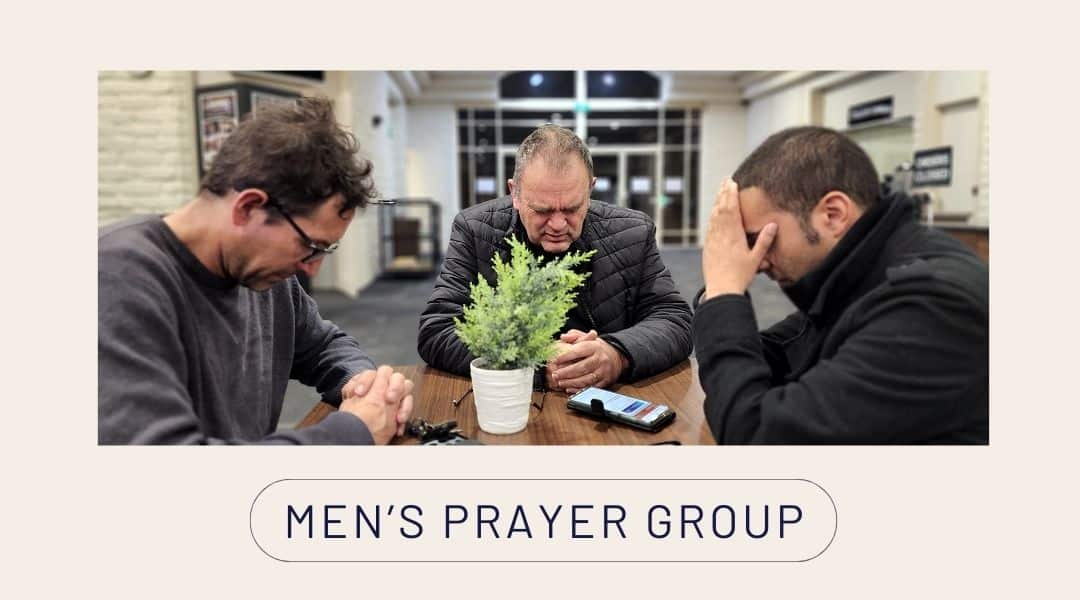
x=576 y=335
x=561 y=347
x=555 y=377
x=381 y=382
x=566 y=374
x=551 y=381
x=395 y=389
x=727 y=201
x=397 y=393
x=591 y=379
x=727 y=198
x=575 y=353
x=731 y=192
x=403 y=414
x=359 y=384
x=573 y=365
x=764 y=241
x=725 y=218
x=572 y=336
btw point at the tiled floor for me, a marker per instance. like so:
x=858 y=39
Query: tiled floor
x=384 y=317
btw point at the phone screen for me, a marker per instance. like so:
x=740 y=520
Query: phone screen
x=619 y=405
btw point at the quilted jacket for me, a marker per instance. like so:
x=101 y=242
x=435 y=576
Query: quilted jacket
x=630 y=298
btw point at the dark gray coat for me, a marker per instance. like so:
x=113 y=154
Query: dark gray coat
x=891 y=344
x=630 y=298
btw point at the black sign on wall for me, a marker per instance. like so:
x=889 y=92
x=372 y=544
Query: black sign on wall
x=220 y=108
x=933 y=167
x=867 y=112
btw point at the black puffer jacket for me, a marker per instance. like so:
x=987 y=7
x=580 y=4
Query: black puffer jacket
x=629 y=299
x=890 y=345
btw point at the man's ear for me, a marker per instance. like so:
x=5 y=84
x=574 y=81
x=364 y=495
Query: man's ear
x=246 y=204
x=837 y=212
x=513 y=197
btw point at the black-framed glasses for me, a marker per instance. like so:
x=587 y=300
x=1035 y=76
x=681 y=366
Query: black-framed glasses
x=539 y=407
x=317 y=250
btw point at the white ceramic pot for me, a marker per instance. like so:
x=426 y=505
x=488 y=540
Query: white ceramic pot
x=502 y=397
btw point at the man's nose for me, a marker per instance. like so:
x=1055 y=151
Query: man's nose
x=557 y=221
x=310 y=268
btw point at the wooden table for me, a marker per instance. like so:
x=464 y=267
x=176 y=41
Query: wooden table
x=678 y=387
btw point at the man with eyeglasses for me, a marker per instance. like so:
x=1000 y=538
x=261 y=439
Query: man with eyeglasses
x=201 y=322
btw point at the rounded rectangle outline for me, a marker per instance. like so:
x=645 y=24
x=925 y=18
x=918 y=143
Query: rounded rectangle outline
x=251 y=515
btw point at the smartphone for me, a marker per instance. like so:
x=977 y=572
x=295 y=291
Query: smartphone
x=624 y=409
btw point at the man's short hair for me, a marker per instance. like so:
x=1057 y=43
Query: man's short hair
x=796 y=167
x=296 y=153
x=556 y=144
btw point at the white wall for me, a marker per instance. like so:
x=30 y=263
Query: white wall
x=723 y=139
x=957 y=86
x=399 y=143
x=146 y=142
x=356 y=263
x=982 y=203
x=888 y=145
x=947 y=108
x=432 y=160
x=955 y=112
x=904 y=87
x=787 y=107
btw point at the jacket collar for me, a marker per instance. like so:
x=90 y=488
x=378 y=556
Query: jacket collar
x=855 y=265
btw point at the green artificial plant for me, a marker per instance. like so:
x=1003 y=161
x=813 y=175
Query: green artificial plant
x=512 y=326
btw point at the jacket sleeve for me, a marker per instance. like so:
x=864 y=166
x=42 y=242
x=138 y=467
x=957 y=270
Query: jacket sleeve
x=324 y=356
x=773 y=341
x=905 y=372
x=661 y=334
x=437 y=342
x=142 y=375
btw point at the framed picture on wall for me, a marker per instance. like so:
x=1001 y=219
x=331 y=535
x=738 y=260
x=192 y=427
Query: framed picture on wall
x=220 y=108
x=263 y=99
x=218 y=116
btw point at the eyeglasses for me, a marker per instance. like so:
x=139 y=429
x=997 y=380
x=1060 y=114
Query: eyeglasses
x=538 y=406
x=317 y=250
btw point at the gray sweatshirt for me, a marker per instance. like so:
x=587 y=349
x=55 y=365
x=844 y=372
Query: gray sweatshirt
x=187 y=357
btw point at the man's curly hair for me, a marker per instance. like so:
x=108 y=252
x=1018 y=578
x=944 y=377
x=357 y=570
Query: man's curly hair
x=296 y=153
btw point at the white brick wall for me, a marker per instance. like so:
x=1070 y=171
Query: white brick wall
x=982 y=203
x=146 y=142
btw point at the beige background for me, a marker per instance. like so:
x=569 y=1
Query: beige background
x=647 y=520
x=173 y=522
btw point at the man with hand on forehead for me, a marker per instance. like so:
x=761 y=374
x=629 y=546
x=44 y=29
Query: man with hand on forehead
x=629 y=322
x=890 y=343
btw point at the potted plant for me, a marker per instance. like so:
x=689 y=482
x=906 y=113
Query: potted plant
x=510 y=330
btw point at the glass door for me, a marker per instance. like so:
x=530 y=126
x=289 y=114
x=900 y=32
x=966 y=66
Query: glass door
x=626 y=177
x=606 y=171
x=640 y=186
